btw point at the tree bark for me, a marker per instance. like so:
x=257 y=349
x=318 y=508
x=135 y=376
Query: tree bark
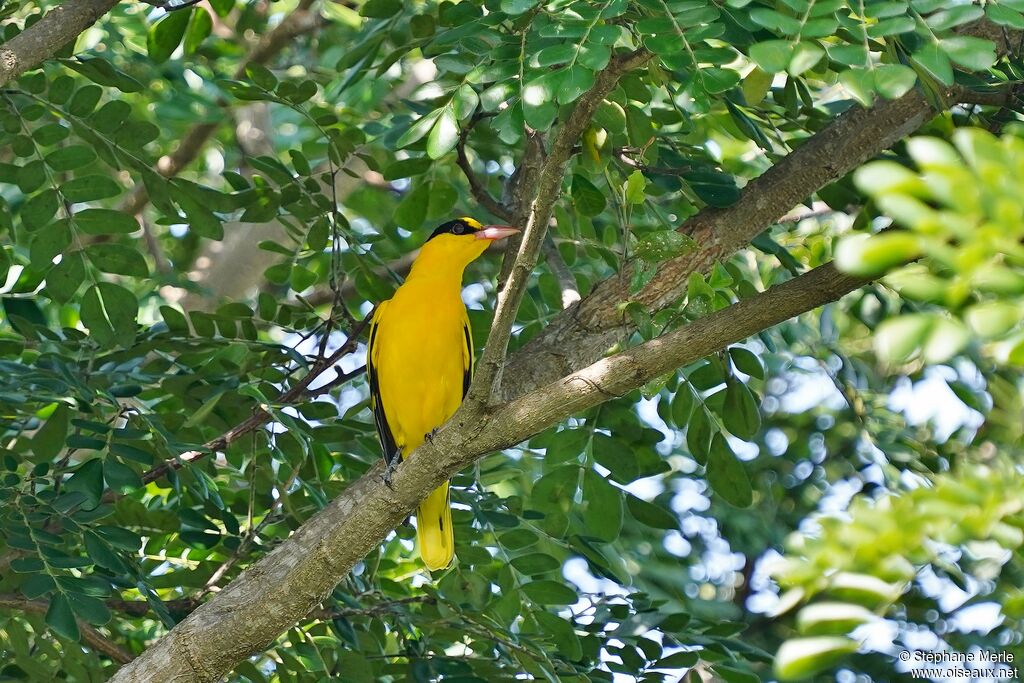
x=39 y=42
x=283 y=587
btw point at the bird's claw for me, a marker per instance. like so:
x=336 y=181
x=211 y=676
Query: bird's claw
x=429 y=436
x=390 y=470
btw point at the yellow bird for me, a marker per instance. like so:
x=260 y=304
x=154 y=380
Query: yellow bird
x=420 y=362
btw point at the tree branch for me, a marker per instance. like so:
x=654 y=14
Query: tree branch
x=42 y=40
x=566 y=282
x=549 y=184
x=298 y=574
x=90 y=635
x=581 y=334
x=476 y=188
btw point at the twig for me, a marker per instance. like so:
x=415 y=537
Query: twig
x=566 y=282
x=260 y=417
x=153 y=245
x=486 y=385
x=477 y=188
x=90 y=635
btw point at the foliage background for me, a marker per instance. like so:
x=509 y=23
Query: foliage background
x=199 y=206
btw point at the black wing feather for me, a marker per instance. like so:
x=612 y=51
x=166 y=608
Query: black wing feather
x=387 y=439
x=467 y=374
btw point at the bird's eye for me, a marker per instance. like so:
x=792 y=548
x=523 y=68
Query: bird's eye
x=458 y=229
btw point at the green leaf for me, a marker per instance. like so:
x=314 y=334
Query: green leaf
x=635 y=186
x=118 y=259
x=562 y=633
x=108 y=312
x=381 y=9
x=662 y=245
x=615 y=456
x=803 y=657
x=746 y=361
x=650 y=514
x=535 y=563
x=515 y=7
x=935 y=61
x=165 y=36
x=969 y=52
x=1005 y=16
x=726 y=474
x=577 y=79
x=49 y=440
x=89 y=608
x=894 y=80
x=412 y=210
x=806 y=56
x=444 y=135
x=871 y=256
x=60 y=618
x=69 y=158
x=740 y=414
x=199 y=28
x=40 y=209
x=603 y=511
x=89 y=188
x=104 y=222
x=772 y=56
x=698 y=434
x=549 y=593
x=66 y=277
x=588 y=199
x=88 y=480
x=419 y=128
x=84 y=100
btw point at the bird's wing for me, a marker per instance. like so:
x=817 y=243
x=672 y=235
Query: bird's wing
x=467 y=355
x=387 y=439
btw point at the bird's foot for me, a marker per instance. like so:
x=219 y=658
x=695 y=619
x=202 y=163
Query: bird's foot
x=390 y=470
x=429 y=436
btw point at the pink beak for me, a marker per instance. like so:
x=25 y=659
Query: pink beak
x=496 y=232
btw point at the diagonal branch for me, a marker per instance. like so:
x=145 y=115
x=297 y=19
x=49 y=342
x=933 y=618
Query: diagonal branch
x=90 y=635
x=294 y=578
x=476 y=187
x=581 y=334
x=42 y=40
x=549 y=185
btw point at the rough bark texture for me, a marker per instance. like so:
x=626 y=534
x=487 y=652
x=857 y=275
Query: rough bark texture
x=39 y=42
x=295 y=577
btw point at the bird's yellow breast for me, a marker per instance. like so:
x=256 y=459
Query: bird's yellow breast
x=420 y=356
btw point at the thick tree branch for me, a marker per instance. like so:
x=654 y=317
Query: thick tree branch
x=549 y=184
x=583 y=333
x=42 y=40
x=297 y=575
x=91 y=637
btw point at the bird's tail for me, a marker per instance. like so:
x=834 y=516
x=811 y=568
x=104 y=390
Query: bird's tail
x=434 y=529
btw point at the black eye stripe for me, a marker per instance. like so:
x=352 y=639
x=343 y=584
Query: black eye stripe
x=456 y=227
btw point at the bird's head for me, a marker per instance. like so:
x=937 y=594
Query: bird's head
x=460 y=241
